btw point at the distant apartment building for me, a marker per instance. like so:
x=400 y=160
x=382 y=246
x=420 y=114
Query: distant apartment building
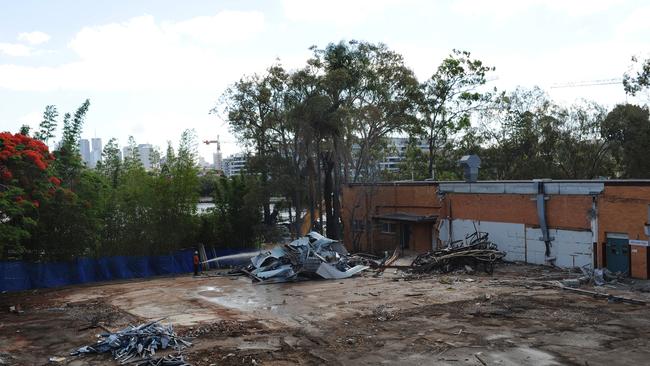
x=145 y=150
x=144 y=154
x=84 y=151
x=217 y=160
x=90 y=156
x=203 y=164
x=397 y=152
x=96 y=153
x=234 y=164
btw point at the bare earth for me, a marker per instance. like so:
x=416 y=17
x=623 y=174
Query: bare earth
x=458 y=319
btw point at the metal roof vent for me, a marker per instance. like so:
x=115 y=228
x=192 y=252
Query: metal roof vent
x=470 y=164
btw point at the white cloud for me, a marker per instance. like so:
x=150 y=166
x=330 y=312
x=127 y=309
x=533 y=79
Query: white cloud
x=225 y=27
x=15 y=49
x=636 y=22
x=500 y=10
x=34 y=38
x=339 y=12
x=143 y=54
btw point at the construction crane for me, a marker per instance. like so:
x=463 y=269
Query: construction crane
x=575 y=84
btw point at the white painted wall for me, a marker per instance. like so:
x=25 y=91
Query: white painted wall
x=508 y=237
x=570 y=248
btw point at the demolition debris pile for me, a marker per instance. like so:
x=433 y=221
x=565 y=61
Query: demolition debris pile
x=312 y=256
x=475 y=250
x=138 y=345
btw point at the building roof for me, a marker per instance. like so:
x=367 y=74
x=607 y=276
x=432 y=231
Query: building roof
x=401 y=216
x=608 y=182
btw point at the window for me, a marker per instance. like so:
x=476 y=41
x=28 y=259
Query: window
x=388 y=228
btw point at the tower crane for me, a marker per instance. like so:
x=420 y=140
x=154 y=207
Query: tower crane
x=574 y=84
x=208 y=142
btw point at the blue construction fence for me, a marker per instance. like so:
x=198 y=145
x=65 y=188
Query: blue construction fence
x=19 y=275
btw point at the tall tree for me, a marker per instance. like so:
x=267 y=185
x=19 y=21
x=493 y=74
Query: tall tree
x=449 y=98
x=48 y=124
x=636 y=80
x=627 y=129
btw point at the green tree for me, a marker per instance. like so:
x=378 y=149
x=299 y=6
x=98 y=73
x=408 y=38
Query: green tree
x=111 y=164
x=236 y=220
x=627 y=130
x=635 y=81
x=26 y=180
x=48 y=124
x=449 y=98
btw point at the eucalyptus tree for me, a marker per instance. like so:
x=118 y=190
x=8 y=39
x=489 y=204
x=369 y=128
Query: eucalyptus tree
x=636 y=80
x=449 y=98
x=369 y=94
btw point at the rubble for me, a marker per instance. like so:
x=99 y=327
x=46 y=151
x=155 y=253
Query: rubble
x=312 y=256
x=465 y=255
x=138 y=345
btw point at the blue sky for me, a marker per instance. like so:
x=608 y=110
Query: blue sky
x=153 y=68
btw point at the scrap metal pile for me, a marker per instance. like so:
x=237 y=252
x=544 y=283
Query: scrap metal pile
x=475 y=250
x=312 y=256
x=138 y=345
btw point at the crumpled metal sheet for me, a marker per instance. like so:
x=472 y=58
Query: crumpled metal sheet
x=330 y=272
x=311 y=256
x=282 y=271
x=138 y=345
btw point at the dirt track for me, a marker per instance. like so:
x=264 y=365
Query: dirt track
x=438 y=320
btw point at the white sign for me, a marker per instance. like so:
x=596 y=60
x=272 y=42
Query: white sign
x=642 y=243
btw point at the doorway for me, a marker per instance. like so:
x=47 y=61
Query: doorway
x=405 y=236
x=617 y=249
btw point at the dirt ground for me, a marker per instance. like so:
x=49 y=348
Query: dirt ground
x=455 y=319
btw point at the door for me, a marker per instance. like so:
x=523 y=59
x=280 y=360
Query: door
x=618 y=253
x=405 y=236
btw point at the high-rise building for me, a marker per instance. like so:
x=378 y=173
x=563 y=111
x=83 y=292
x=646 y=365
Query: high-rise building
x=84 y=151
x=126 y=152
x=234 y=164
x=398 y=146
x=217 y=161
x=145 y=150
x=96 y=153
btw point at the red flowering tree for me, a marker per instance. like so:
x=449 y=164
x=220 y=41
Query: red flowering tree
x=25 y=180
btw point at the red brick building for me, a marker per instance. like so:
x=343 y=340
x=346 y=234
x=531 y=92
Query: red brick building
x=601 y=223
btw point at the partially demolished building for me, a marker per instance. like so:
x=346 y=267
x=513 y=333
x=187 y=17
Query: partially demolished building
x=593 y=223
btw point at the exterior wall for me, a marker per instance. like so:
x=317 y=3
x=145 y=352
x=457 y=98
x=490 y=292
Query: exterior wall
x=572 y=248
x=421 y=239
x=624 y=209
x=563 y=211
x=579 y=216
x=363 y=202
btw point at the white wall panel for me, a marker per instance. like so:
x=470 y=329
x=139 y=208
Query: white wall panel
x=570 y=248
x=508 y=237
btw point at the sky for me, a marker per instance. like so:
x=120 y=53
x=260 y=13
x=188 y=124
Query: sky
x=152 y=68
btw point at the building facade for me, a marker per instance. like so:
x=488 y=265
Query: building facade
x=234 y=164
x=564 y=223
x=84 y=151
x=96 y=153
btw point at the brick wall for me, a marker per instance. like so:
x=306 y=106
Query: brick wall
x=624 y=209
x=362 y=202
x=563 y=211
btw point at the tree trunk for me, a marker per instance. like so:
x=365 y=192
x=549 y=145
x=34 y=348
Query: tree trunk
x=336 y=192
x=327 y=194
x=311 y=171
